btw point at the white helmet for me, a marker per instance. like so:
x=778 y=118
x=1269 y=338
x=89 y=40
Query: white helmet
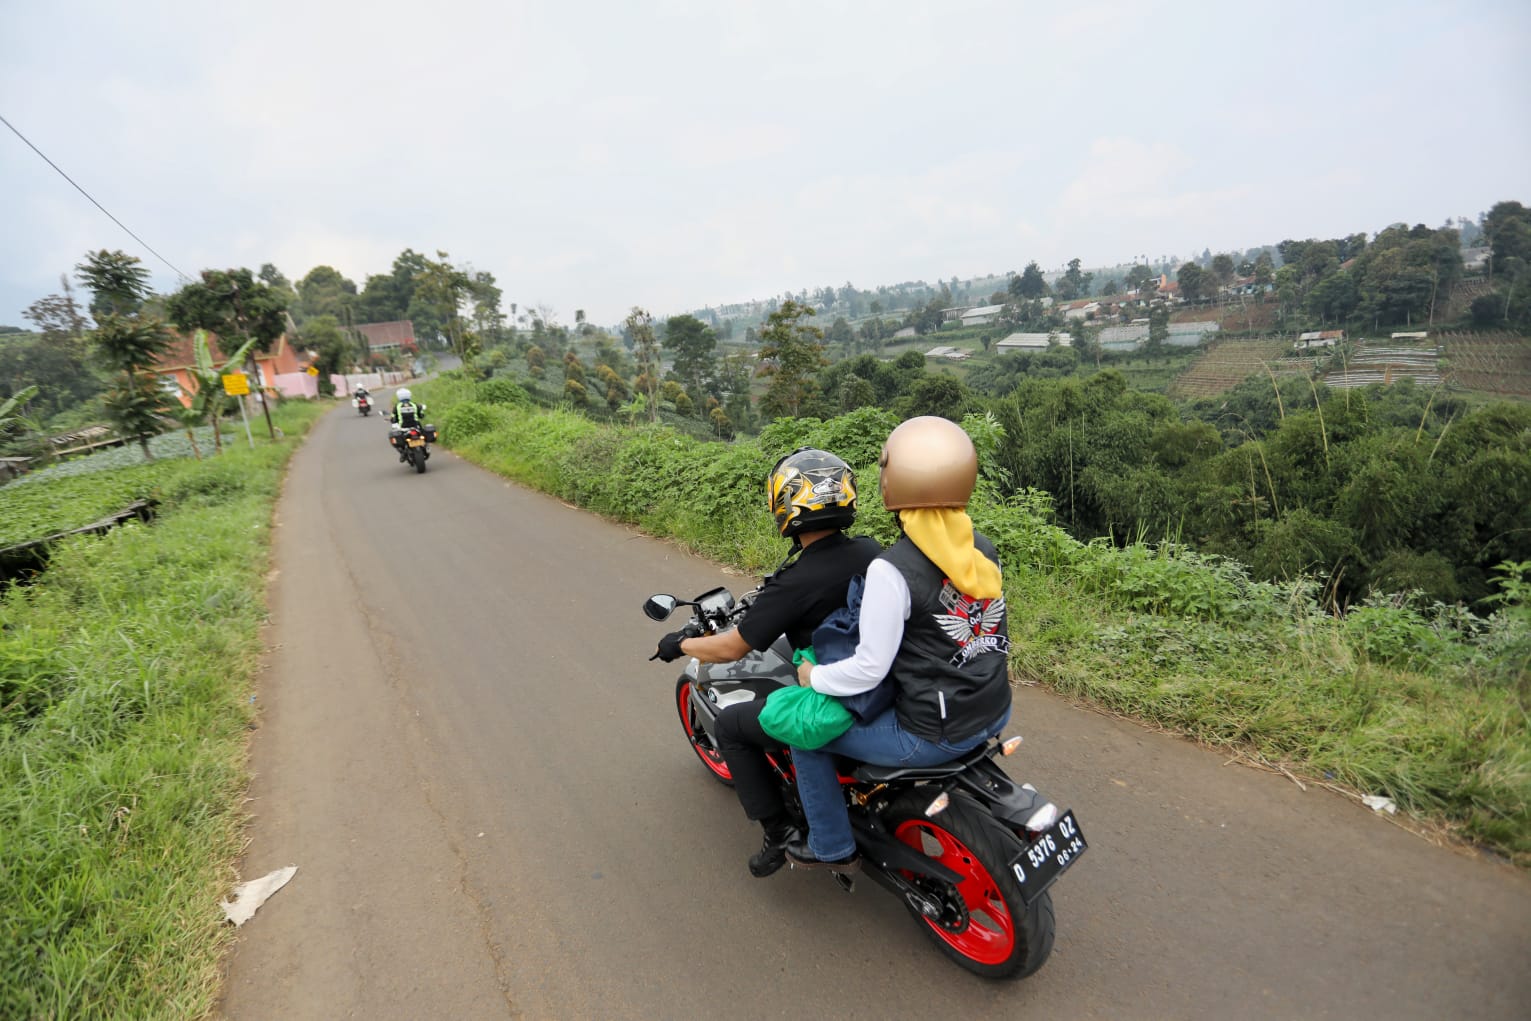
x=403 y=393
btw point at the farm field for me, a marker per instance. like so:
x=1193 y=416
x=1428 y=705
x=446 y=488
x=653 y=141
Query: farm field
x=1385 y=362
x=1491 y=363
x=1228 y=363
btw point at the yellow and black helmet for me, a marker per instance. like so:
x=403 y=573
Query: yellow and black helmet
x=811 y=489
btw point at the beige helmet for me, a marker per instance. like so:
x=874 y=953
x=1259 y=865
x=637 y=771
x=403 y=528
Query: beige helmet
x=928 y=462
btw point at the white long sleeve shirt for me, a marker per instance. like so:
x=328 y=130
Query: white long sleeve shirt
x=884 y=608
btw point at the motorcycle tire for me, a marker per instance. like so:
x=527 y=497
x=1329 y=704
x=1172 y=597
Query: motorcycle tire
x=701 y=743
x=417 y=456
x=1003 y=937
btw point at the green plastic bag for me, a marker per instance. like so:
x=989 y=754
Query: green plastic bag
x=804 y=718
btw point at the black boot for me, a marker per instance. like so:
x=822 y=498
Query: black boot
x=798 y=853
x=773 y=849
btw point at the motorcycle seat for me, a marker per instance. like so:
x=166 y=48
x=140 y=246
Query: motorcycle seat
x=883 y=774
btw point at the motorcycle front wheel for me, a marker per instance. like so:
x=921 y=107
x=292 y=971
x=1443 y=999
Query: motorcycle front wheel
x=701 y=742
x=1000 y=937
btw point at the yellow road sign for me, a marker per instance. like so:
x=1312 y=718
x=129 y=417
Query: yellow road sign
x=236 y=384
x=312 y=370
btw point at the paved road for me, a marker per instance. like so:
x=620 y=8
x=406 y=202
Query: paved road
x=493 y=814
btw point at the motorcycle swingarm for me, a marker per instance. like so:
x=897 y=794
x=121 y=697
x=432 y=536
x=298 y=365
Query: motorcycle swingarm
x=890 y=854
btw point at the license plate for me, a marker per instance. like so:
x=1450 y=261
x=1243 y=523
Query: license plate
x=1045 y=858
x=417 y=443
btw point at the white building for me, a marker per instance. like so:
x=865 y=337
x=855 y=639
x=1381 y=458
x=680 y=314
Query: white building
x=982 y=316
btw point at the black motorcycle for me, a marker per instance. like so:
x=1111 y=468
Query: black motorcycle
x=970 y=852
x=363 y=405
x=413 y=442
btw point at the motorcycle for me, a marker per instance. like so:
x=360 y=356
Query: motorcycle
x=970 y=853
x=363 y=405
x=413 y=444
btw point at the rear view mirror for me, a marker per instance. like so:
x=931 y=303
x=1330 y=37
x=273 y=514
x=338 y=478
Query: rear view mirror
x=659 y=607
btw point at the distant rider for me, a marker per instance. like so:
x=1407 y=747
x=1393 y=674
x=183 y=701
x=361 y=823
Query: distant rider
x=406 y=414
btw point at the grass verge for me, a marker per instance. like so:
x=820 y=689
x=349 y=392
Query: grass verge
x=125 y=671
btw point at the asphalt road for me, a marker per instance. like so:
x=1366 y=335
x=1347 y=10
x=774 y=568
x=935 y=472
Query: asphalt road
x=494 y=814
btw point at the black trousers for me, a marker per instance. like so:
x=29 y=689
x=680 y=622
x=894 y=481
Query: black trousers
x=744 y=744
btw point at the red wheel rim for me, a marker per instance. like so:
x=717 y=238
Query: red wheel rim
x=990 y=935
x=709 y=756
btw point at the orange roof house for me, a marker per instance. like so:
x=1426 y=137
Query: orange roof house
x=176 y=364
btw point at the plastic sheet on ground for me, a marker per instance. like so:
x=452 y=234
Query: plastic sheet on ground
x=250 y=896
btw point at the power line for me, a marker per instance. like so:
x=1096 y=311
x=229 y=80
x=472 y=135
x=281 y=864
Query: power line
x=87 y=194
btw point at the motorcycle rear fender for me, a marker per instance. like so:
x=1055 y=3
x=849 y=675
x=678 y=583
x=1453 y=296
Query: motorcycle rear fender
x=992 y=788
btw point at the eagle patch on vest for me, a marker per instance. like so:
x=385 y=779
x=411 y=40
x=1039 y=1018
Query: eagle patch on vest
x=971 y=623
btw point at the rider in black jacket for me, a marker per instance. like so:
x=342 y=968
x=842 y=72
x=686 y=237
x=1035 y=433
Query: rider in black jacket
x=813 y=499
x=932 y=620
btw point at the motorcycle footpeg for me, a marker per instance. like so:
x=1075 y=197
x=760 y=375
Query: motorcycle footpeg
x=844 y=881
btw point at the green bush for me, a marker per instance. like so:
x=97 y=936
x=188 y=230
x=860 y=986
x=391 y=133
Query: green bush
x=465 y=421
x=502 y=391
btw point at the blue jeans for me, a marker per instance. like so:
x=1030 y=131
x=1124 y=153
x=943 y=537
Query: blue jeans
x=880 y=742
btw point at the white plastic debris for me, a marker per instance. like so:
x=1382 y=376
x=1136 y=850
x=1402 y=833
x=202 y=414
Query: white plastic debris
x=250 y=896
x=1379 y=804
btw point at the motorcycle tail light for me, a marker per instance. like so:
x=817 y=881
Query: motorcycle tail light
x=1042 y=818
x=1010 y=746
x=937 y=806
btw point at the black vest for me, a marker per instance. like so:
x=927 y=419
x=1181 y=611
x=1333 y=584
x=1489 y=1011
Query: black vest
x=951 y=667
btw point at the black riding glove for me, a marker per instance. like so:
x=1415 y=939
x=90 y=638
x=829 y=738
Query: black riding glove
x=669 y=645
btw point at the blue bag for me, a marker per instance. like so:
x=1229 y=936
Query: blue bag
x=836 y=639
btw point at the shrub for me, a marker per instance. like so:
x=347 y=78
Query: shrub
x=465 y=421
x=502 y=391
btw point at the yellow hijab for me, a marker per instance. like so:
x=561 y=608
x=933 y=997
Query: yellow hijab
x=945 y=535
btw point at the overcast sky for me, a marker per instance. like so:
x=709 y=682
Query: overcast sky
x=692 y=152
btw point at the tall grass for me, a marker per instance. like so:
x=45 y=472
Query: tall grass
x=1428 y=707
x=127 y=666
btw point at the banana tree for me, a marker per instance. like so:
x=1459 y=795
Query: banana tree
x=209 y=402
x=10 y=409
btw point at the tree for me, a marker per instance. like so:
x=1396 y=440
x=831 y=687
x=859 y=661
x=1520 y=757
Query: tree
x=1074 y=283
x=1030 y=284
x=441 y=289
x=640 y=328
x=1138 y=276
x=936 y=394
x=127 y=341
x=1193 y=281
x=57 y=360
x=10 y=408
x=118 y=283
x=1223 y=268
x=323 y=335
x=793 y=352
x=208 y=401
x=324 y=291
x=1158 y=327
x=693 y=343
x=235 y=306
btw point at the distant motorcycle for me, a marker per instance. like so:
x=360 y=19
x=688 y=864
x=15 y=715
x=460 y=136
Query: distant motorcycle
x=970 y=852
x=413 y=444
x=363 y=405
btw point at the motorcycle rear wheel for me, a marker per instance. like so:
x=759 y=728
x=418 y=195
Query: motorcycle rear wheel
x=417 y=457
x=701 y=743
x=1003 y=938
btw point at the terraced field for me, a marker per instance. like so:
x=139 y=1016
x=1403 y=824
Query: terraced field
x=1381 y=361
x=1494 y=363
x=1227 y=363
